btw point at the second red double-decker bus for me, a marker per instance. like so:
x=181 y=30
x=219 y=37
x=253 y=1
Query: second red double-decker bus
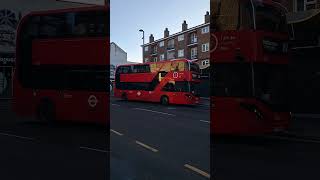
x=249 y=60
x=168 y=82
x=62 y=60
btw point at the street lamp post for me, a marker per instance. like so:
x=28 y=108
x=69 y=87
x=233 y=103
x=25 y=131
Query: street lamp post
x=141 y=30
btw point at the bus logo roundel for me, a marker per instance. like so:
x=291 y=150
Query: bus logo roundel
x=214 y=42
x=175 y=74
x=92 y=101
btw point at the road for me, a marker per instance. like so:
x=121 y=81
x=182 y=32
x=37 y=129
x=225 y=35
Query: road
x=148 y=141
x=37 y=150
x=292 y=155
x=159 y=142
x=151 y=141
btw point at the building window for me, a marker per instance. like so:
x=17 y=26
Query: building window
x=161 y=44
x=161 y=57
x=181 y=37
x=181 y=53
x=205 y=47
x=171 y=55
x=310 y=4
x=154 y=50
x=194 y=38
x=146 y=59
x=171 y=44
x=205 y=62
x=155 y=59
x=303 y=5
x=194 y=53
x=205 y=30
x=146 y=48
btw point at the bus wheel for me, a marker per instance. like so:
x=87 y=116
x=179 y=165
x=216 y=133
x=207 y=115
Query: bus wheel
x=124 y=97
x=45 y=111
x=164 y=100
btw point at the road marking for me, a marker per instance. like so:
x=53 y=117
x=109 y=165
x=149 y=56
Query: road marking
x=205 y=121
x=146 y=146
x=294 y=139
x=116 y=132
x=197 y=171
x=115 y=104
x=140 y=109
x=16 y=136
x=93 y=149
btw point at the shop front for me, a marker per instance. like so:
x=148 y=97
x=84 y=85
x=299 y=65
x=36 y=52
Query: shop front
x=6 y=71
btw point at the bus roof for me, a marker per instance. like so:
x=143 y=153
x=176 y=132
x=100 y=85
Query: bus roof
x=64 y=10
x=164 y=61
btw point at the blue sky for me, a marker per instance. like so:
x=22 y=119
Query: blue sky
x=153 y=16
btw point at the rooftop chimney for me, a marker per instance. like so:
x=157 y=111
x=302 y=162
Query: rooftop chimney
x=151 y=38
x=166 y=33
x=207 y=17
x=184 y=26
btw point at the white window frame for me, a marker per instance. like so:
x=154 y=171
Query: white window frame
x=194 y=37
x=146 y=59
x=194 y=53
x=169 y=53
x=205 y=30
x=181 y=53
x=309 y=3
x=146 y=48
x=155 y=50
x=181 y=37
x=155 y=59
x=161 y=43
x=205 y=47
x=161 y=57
x=169 y=44
x=205 y=62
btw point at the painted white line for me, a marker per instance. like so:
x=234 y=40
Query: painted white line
x=205 y=121
x=115 y=104
x=146 y=146
x=140 y=109
x=93 y=149
x=205 y=174
x=116 y=132
x=16 y=136
x=295 y=139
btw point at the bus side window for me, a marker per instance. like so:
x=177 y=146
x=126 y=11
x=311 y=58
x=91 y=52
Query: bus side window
x=169 y=87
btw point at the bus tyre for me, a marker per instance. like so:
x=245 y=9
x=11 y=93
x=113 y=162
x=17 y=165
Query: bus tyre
x=45 y=111
x=124 y=97
x=164 y=100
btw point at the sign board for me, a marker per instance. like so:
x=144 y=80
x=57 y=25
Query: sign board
x=89 y=2
x=7 y=59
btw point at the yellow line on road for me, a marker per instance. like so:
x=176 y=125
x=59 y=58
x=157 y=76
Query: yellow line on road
x=146 y=146
x=197 y=170
x=116 y=132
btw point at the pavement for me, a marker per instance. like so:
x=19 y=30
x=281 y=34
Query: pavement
x=289 y=155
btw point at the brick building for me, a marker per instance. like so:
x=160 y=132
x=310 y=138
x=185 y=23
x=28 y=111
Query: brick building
x=190 y=43
x=303 y=5
x=304 y=16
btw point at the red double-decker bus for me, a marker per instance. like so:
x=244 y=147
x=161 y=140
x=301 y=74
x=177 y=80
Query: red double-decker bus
x=168 y=82
x=249 y=57
x=62 y=64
